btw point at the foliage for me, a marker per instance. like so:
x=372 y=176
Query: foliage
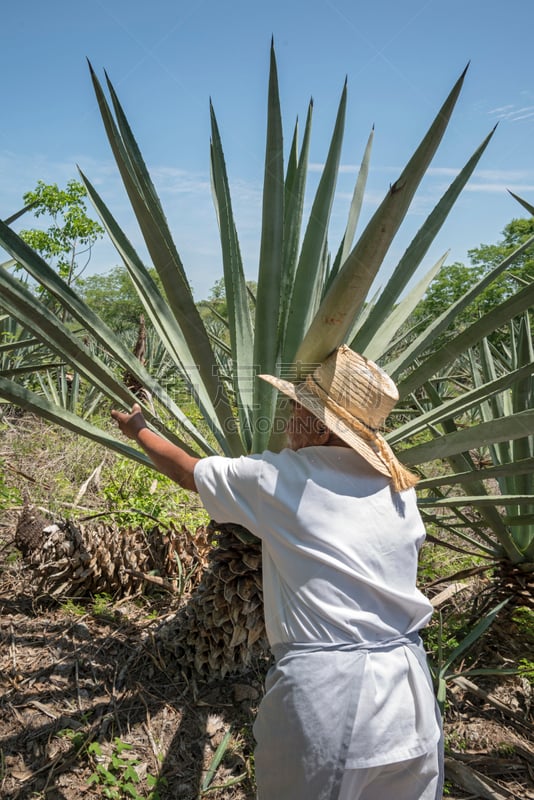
x=443 y=663
x=119 y=777
x=9 y=495
x=113 y=297
x=72 y=608
x=50 y=464
x=514 y=234
x=71 y=232
x=140 y=498
x=454 y=280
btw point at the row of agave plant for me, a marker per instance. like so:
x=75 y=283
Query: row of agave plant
x=307 y=303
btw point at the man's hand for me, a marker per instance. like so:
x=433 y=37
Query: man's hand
x=167 y=457
x=130 y=424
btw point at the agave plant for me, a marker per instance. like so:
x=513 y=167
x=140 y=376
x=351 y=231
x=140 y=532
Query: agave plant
x=494 y=414
x=306 y=305
x=510 y=460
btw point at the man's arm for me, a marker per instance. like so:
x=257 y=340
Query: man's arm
x=168 y=458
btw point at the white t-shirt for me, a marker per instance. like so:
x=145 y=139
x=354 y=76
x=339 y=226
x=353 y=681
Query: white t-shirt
x=339 y=547
x=340 y=553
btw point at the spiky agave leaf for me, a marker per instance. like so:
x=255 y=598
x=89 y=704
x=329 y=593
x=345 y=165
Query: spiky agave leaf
x=50 y=330
x=166 y=260
x=165 y=323
x=309 y=275
x=414 y=254
x=268 y=300
x=351 y=285
x=237 y=298
x=85 y=316
x=20 y=396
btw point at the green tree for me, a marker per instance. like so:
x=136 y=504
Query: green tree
x=449 y=285
x=454 y=280
x=113 y=297
x=514 y=234
x=71 y=233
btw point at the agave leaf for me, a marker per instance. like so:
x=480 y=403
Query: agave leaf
x=502 y=314
x=477 y=500
x=47 y=327
x=8 y=264
x=354 y=211
x=522 y=448
x=310 y=271
x=459 y=405
x=456 y=523
x=490 y=322
x=498 y=405
x=460 y=441
x=482 y=370
x=162 y=318
x=165 y=257
x=523 y=388
x=49 y=389
x=294 y=195
x=19 y=395
x=524 y=467
x=20 y=344
x=347 y=293
x=462 y=460
x=217 y=758
x=239 y=321
x=10 y=220
x=50 y=330
x=524 y=203
x=473 y=635
x=397 y=316
x=267 y=318
x=416 y=251
x=46 y=276
x=29 y=368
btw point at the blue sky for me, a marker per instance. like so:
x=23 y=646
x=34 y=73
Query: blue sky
x=167 y=58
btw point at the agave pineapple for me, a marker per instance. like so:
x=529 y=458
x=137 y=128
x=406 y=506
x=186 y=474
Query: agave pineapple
x=72 y=559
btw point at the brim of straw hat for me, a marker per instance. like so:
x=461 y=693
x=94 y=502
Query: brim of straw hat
x=369 y=443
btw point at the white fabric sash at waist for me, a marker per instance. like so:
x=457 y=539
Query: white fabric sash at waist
x=283 y=648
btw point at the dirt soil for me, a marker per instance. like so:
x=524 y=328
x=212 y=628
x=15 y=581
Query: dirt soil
x=77 y=687
x=69 y=681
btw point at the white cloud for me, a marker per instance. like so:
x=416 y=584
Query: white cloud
x=512 y=113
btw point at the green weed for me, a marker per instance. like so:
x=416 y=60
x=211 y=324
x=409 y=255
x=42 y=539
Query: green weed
x=69 y=606
x=102 y=606
x=139 y=494
x=9 y=495
x=118 y=776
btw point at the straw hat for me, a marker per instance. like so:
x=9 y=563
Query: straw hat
x=353 y=397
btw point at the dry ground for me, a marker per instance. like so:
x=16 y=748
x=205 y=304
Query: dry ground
x=80 y=681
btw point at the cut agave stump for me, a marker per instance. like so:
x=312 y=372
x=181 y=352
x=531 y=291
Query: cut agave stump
x=221 y=629
x=70 y=559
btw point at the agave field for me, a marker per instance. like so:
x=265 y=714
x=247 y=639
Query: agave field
x=133 y=645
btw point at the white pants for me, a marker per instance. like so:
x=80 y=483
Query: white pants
x=416 y=779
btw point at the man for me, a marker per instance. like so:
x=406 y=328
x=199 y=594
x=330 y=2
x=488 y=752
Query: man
x=349 y=711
